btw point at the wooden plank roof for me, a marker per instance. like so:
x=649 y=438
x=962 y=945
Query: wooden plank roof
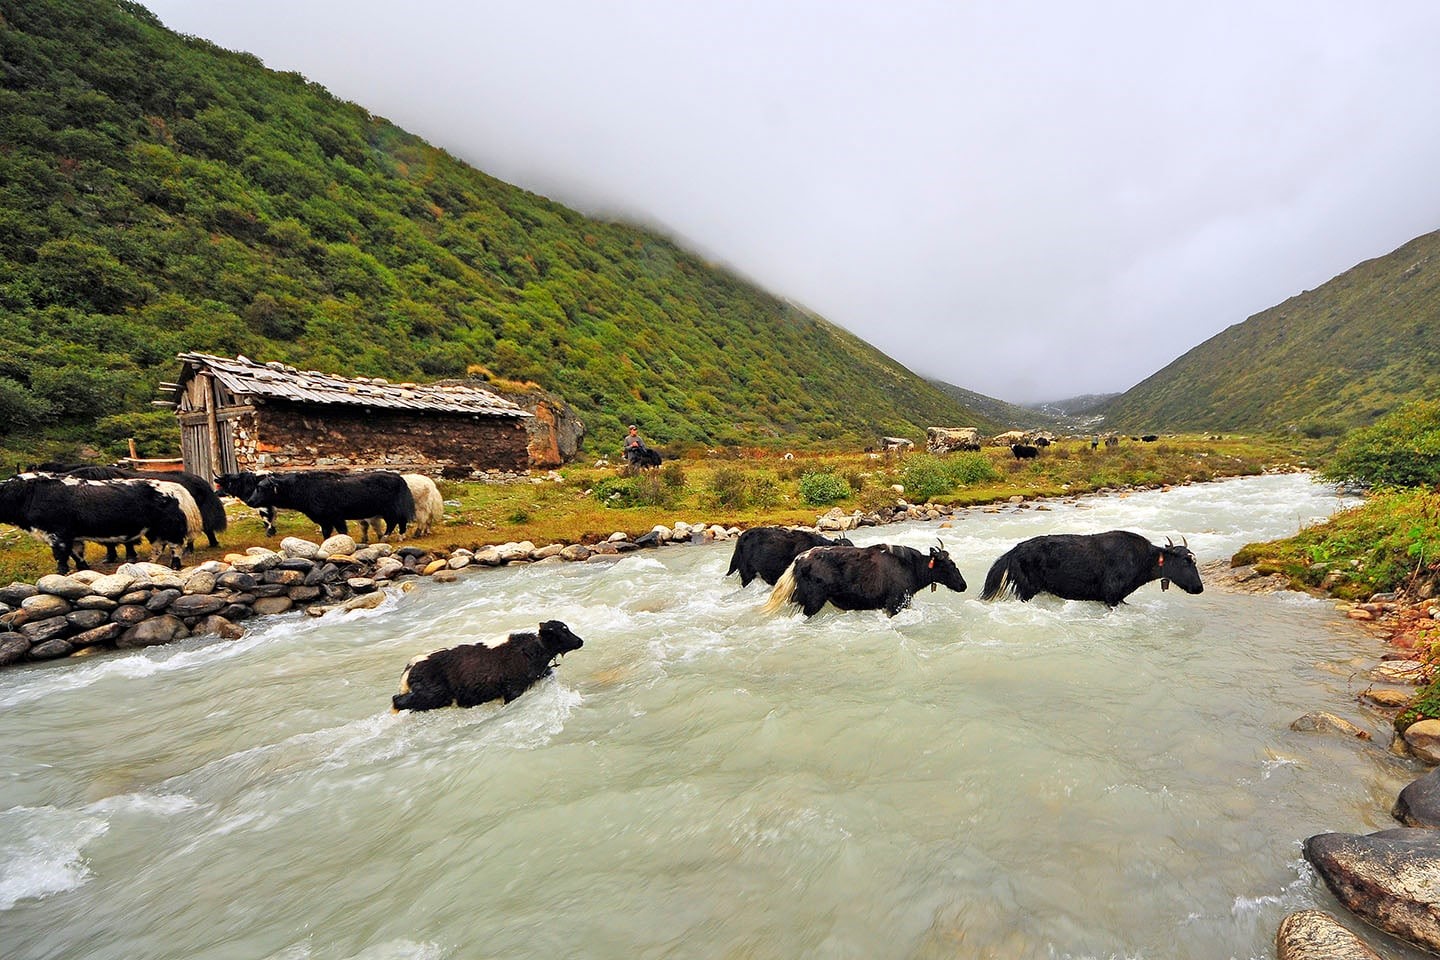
x=276 y=381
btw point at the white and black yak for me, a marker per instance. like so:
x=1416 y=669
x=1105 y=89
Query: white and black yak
x=1098 y=566
x=474 y=673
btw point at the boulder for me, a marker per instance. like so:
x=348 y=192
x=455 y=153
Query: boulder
x=62 y=586
x=257 y=562
x=13 y=649
x=1423 y=739
x=52 y=650
x=435 y=566
x=96 y=602
x=297 y=547
x=17 y=591
x=106 y=633
x=1316 y=935
x=129 y=614
x=165 y=628
x=269 y=606
x=218 y=626
x=142 y=571
x=1400 y=671
x=460 y=562
x=339 y=544
x=575 y=551
x=950 y=439
x=201 y=581
x=39 y=631
x=1322 y=722
x=235 y=580
x=199 y=605
x=1390 y=879
x=87 y=619
x=43 y=605
x=1418 y=805
x=161 y=599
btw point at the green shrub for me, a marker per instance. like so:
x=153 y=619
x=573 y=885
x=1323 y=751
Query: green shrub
x=970 y=468
x=672 y=475
x=925 y=478
x=823 y=489
x=1398 y=450
x=727 y=488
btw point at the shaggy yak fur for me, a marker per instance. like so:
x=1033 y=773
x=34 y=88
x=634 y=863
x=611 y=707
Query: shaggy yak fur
x=1099 y=566
x=882 y=577
x=474 y=673
x=765 y=552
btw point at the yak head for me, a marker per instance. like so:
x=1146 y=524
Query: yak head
x=943 y=570
x=558 y=639
x=1177 y=565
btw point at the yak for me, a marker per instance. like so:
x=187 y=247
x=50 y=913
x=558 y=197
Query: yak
x=429 y=507
x=474 y=673
x=1098 y=566
x=1024 y=451
x=329 y=498
x=880 y=577
x=242 y=487
x=765 y=552
x=66 y=511
x=212 y=511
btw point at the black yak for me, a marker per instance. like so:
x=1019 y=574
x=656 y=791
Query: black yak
x=765 y=552
x=66 y=511
x=1024 y=451
x=1099 y=566
x=474 y=673
x=329 y=498
x=882 y=577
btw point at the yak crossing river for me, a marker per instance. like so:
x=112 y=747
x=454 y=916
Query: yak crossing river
x=1048 y=779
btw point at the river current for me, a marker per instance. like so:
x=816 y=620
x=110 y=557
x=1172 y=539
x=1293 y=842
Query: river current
x=1051 y=779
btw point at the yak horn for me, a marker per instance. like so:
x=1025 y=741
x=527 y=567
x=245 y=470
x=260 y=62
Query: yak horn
x=1169 y=543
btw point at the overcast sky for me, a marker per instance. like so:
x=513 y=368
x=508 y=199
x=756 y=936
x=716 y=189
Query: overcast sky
x=1029 y=199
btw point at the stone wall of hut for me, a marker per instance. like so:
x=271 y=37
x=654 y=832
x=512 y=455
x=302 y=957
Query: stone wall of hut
x=281 y=436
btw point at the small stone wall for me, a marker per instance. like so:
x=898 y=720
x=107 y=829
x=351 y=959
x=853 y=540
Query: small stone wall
x=282 y=436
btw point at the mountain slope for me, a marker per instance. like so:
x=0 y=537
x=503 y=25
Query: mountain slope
x=1329 y=359
x=1002 y=415
x=159 y=194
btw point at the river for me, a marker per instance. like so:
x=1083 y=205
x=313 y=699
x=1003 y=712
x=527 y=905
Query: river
x=1051 y=779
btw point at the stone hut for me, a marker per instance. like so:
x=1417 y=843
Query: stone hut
x=237 y=414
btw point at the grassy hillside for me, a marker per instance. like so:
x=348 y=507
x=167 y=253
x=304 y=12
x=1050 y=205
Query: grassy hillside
x=1327 y=360
x=159 y=194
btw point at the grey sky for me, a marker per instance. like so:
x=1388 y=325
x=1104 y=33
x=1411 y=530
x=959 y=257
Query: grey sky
x=1029 y=199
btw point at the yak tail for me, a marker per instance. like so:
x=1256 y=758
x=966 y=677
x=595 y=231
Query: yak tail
x=194 y=522
x=997 y=582
x=783 y=592
x=213 y=513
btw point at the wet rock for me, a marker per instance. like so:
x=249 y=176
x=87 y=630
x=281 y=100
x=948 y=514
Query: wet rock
x=326 y=573
x=295 y=563
x=102 y=634
x=136 y=597
x=17 y=591
x=361 y=584
x=13 y=648
x=1389 y=879
x=165 y=628
x=575 y=552
x=434 y=567
x=1418 y=805
x=269 y=590
x=461 y=562
x=1399 y=671
x=128 y=614
x=162 y=599
x=388 y=567
x=1316 y=935
x=87 y=619
x=1423 y=739
x=237 y=612
x=365 y=601
x=269 y=606
x=43 y=605
x=199 y=605
x=41 y=631
x=52 y=650
x=446 y=576
x=303 y=593
x=61 y=586
x=14 y=620
x=1322 y=722
x=289 y=578
x=218 y=626
x=490 y=557
x=1387 y=698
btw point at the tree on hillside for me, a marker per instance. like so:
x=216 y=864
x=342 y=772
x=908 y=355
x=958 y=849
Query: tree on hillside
x=1398 y=450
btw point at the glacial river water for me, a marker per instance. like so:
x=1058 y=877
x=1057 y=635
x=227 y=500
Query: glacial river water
x=1012 y=780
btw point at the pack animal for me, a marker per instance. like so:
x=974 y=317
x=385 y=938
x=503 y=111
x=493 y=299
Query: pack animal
x=1024 y=451
x=329 y=498
x=881 y=577
x=65 y=512
x=429 y=507
x=242 y=487
x=642 y=457
x=207 y=501
x=765 y=552
x=474 y=673
x=1100 y=566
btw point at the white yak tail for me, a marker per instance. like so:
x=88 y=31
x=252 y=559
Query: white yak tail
x=783 y=593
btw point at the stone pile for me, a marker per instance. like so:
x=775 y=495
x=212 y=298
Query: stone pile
x=144 y=604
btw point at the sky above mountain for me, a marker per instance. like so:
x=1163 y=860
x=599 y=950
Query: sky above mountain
x=1029 y=199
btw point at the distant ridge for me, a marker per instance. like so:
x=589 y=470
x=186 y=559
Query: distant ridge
x=1065 y=416
x=1324 y=361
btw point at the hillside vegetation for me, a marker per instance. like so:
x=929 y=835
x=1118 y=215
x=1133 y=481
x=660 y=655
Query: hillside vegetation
x=1332 y=358
x=159 y=194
